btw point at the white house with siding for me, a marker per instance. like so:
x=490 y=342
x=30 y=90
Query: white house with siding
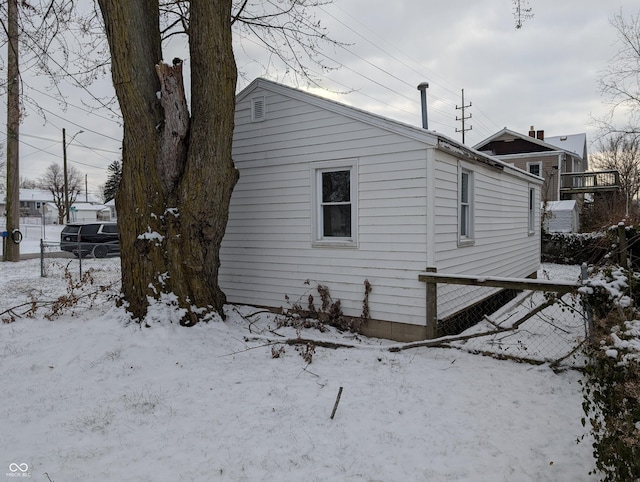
x=335 y=195
x=39 y=205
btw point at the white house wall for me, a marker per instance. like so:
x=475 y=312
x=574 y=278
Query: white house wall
x=502 y=243
x=267 y=251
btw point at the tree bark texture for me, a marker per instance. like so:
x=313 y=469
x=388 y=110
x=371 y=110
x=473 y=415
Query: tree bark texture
x=12 y=252
x=177 y=172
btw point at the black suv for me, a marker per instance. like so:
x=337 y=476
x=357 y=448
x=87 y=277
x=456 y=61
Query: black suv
x=99 y=239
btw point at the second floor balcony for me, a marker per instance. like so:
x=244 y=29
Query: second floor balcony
x=585 y=182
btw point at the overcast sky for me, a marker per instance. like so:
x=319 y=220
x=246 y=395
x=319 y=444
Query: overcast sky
x=544 y=74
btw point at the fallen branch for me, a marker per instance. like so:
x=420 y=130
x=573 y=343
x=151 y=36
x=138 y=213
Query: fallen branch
x=444 y=341
x=300 y=341
x=57 y=304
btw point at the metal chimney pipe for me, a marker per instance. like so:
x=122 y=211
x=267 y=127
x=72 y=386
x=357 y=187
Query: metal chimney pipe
x=423 y=99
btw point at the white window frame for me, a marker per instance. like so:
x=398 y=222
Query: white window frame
x=532 y=211
x=466 y=208
x=539 y=164
x=317 y=169
x=258 y=109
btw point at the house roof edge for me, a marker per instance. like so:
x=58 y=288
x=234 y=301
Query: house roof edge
x=429 y=137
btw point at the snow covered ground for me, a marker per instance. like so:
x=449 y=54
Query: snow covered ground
x=87 y=397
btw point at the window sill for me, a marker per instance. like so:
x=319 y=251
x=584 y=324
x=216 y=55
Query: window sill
x=334 y=244
x=466 y=242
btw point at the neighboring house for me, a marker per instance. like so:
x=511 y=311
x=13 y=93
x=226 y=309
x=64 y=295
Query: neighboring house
x=549 y=158
x=329 y=194
x=561 y=217
x=33 y=203
x=38 y=203
x=81 y=212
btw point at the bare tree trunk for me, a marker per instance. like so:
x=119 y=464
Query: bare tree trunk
x=177 y=173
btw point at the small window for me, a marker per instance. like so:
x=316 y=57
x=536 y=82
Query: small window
x=532 y=210
x=465 y=207
x=257 y=109
x=335 y=203
x=534 y=168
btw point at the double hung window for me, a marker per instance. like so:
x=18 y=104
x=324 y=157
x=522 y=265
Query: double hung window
x=335 y=203
x=465 y=206
x=535 y=168
x=532 y=210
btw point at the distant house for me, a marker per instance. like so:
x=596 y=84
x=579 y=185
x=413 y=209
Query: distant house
x=33 y=203
x=38 y=203
x=83 y=212
x=549 y=158
x=563 y=164
x=332 y=195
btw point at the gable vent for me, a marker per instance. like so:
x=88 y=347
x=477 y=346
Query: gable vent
x=257 y=109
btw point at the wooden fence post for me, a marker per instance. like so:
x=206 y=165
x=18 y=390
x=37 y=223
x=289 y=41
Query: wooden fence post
x=622 y=242
x=432 y=306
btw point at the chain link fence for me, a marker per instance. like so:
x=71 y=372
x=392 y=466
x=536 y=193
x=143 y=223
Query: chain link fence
x=102 y=271
x=525 y=319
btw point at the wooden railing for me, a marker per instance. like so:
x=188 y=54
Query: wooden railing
x=582 y=182
x=466 y=300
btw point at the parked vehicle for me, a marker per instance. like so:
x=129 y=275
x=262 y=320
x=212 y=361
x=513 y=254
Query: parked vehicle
x=99 y=239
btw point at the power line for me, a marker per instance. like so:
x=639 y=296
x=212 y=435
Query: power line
x=67 y=73
x=76 y=124
x=45 y=151
x=432 y=74
x=360 y=74
x=91 y=112
x=76 y=143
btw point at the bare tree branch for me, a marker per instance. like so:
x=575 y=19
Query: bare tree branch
x=53 y=181
x=620 y=81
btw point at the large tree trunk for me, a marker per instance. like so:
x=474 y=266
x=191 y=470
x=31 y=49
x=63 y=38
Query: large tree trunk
x=177 y=173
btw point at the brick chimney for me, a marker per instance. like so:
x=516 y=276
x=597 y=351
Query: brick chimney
x=540 y=135
x=532 y=132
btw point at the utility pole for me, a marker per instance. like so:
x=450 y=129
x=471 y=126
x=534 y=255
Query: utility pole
x=64 y=170
x=463 y=118
x=12 y=252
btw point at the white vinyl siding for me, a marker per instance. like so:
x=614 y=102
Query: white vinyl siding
x=502 y=245
x=269 y=250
